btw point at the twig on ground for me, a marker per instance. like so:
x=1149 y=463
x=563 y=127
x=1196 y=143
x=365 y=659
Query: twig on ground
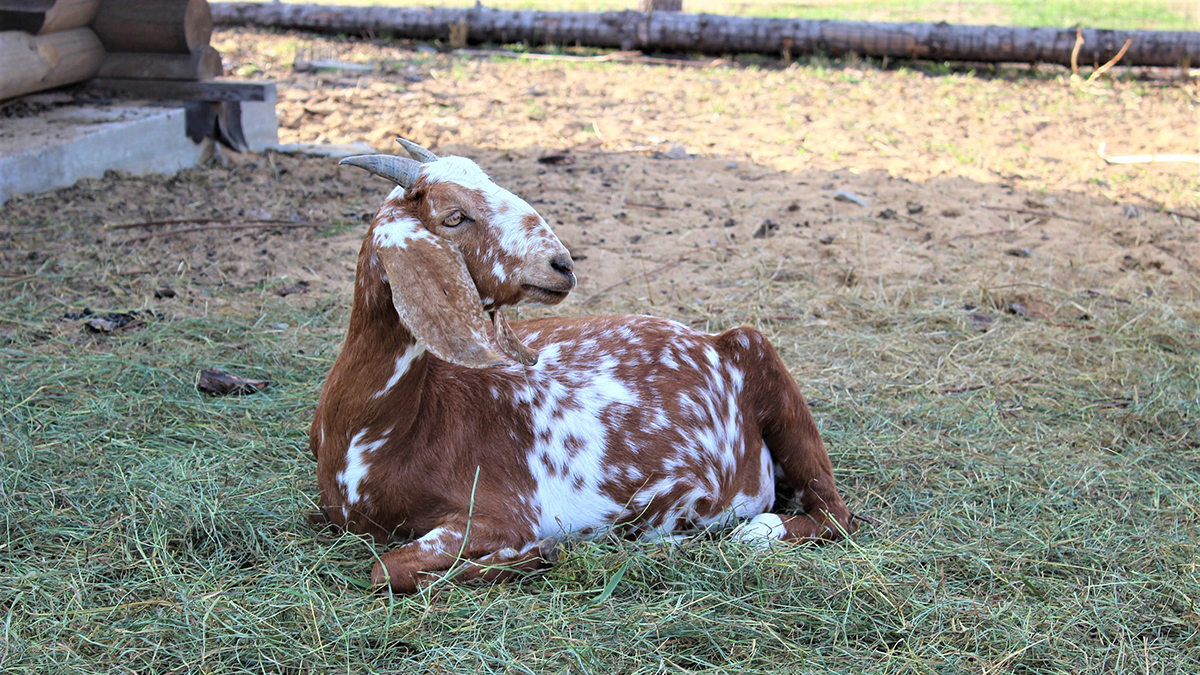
x=168 y=221
x=1145 y=159
x=1047 y=214
x=180 y=221
x=974 y=387
x=244 y=225
x=626 y=57
x=661 y=207
x=1075 y=52
x=1112 y=62
x=680 y=258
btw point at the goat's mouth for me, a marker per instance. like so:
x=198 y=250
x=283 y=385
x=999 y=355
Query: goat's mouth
x=543 y=295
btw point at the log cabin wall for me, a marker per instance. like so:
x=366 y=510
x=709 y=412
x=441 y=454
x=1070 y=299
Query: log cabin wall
x=51 y=43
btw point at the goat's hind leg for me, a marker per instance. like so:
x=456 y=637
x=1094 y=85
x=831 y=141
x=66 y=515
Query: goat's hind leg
x=485 y=557
x=795 y=444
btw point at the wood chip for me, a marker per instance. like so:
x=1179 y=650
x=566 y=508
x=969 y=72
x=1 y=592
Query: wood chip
x=220 y=383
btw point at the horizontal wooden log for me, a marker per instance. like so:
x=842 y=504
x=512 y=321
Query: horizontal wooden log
x=32 y=63
x=175 y=90
x=203 y=63
x=64 y=15
x=27 y=5
x=711 y=34
x=163 y=26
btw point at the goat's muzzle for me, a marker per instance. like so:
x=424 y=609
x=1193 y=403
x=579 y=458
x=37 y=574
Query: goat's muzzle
x=551 y=286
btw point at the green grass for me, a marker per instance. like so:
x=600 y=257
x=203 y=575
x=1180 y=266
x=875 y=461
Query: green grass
x=1117 y=14
x=1044 y=526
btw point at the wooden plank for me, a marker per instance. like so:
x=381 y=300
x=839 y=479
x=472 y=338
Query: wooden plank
x=204 y=63
x=163 y=26
x=176 y=90
x=29 y=63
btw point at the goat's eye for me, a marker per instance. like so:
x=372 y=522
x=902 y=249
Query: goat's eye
x=453 y=220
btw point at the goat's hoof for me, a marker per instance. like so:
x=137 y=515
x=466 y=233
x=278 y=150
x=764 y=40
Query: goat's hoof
x=760 y=532
x=548 y=550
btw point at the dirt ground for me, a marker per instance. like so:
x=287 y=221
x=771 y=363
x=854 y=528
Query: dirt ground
x=693 y=192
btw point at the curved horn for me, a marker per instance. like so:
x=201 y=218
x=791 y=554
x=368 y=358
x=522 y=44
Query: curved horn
x=415 y=151
x=400 y=170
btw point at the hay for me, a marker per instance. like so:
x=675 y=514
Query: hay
x=1048 y=525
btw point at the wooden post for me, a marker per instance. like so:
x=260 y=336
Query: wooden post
x=164 y=26
x=202 y=64
x=29 y=63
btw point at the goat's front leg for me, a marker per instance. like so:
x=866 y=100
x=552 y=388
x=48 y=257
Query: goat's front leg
x=486 y=556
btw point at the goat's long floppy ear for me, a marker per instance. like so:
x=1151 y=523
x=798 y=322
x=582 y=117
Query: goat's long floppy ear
x=434 y=295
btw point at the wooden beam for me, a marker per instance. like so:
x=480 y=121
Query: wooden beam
x=64 y=15
x=163 y=26
x=29 y=63
x=175 y=90
x=68 y=14
x=204 y=63
x=27 y=5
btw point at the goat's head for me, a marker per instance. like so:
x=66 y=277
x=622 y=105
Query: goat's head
x=455 y=245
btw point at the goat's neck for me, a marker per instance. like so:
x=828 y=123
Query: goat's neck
x=377 y=339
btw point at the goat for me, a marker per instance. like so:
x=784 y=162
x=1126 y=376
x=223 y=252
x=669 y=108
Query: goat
x=484 y=441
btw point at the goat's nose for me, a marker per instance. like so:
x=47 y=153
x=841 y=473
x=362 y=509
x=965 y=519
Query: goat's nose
x=562 y=264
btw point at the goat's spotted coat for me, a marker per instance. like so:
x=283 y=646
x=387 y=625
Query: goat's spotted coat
x=434 y=415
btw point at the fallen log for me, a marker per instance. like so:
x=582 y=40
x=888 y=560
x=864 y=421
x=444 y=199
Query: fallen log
x=712 y=34
x=29 y=63
x=203 y=63
x=64 y=15
x=163 y=26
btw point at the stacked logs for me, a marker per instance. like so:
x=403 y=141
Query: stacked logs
x=50 y=43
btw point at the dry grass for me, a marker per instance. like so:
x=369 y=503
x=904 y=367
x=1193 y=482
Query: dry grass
x=1048 y=525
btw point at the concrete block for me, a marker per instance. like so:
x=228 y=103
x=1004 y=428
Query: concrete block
x=56 y=148
x=259 y=125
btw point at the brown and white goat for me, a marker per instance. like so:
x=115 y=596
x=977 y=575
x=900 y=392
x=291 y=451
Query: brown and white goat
x=483 y=441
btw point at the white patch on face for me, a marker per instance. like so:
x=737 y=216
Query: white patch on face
x=355 y=472
x=399 y=232
x=403 y=362
x=508 y=210
x=499 y=272
x=761 y=531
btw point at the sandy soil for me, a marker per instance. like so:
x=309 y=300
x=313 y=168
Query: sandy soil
x=708 y=193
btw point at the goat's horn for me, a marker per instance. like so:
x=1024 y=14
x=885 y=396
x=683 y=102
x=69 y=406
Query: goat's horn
x=415 y=151
x=400 y=170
